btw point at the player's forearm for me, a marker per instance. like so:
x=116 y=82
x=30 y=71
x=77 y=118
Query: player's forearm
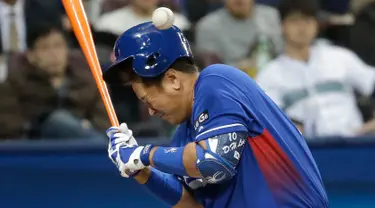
x=195 y=160
x=143 y=175
x=167 y=188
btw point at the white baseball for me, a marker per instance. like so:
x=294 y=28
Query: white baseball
x=163 y=18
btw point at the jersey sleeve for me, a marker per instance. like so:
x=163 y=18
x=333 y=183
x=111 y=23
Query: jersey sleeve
x=360 y=75
x=216 y=109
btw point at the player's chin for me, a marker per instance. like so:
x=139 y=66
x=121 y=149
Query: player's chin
x=172 y=120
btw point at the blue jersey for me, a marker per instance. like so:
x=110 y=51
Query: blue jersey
x=276 y=168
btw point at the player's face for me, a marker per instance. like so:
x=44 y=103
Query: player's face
x=170 y=100
x=300 y=30
x=50 y=53
x=239 y=8
x=145 y=4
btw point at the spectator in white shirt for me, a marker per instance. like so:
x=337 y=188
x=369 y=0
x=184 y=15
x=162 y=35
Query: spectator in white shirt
x=138 y=11
x=315 y=82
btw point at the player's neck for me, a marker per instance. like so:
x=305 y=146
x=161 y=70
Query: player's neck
x=301 y=53
x=192 y=82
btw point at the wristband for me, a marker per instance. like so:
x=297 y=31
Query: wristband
x=145 y=154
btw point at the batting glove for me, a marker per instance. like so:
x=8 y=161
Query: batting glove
x=124 y=151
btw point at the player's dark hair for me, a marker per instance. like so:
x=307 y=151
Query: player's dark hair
x=306 y=7
x=41 y=30
x=184 y=65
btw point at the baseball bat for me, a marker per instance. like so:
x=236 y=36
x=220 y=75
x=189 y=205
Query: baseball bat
x=78 y=19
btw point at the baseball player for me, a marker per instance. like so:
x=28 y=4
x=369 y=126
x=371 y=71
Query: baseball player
x=234 y=148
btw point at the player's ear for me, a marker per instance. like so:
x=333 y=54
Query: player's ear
x=172 y=79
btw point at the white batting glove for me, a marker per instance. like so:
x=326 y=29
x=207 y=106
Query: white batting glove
x=122 y=133
x=119 y=136
x=124 y=151
x=127 y=159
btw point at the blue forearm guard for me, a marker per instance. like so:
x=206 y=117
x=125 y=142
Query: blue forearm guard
x=170 y=160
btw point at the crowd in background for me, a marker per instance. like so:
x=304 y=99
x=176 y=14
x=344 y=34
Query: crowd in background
x=313 y=58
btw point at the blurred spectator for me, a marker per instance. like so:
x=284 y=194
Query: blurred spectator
x=111 y=5
x=358 y=5
x=3 y=67
x=336 y=20
x=196 y=9
x=93 y=9
x=242 y=34
x=335 y=6
x=104 y=43
x=11 y=120
x=315 y=82
x=361 y=42
x=138 y=11
x=55 y=91
x=363 y=31
x=13 y=27
x=18 y=16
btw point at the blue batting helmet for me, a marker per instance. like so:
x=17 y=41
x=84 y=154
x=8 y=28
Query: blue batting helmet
x=150 y=50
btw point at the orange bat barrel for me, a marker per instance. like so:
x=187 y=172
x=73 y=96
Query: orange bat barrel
x=78 y=19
